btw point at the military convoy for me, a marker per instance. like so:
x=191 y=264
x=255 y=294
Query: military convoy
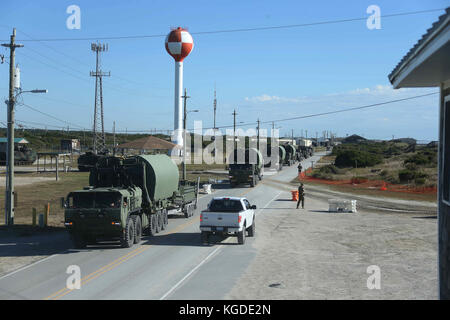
x=126 y=197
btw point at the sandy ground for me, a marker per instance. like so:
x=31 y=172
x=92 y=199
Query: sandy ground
x=314 y=254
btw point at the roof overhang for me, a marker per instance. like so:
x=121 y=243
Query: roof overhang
x=428 y=63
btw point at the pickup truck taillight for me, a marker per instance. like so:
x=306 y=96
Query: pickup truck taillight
x=239 y=218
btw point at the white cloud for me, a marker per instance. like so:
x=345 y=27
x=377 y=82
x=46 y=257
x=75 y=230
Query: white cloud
x=269 y=98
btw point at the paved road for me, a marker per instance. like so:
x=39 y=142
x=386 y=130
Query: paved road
x=172 y=265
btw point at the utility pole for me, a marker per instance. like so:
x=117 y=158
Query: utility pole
x=234 y=129
x=185 y=97
x=257 y=137
x=292 y=136
x=114 y=137
x=99 y=140
x=9 y=201
x=215 y=108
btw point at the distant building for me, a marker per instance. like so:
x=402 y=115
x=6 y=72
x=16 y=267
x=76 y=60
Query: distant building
x=146 y=145
x=427 y=64
x=70 y=145
x=18 y=142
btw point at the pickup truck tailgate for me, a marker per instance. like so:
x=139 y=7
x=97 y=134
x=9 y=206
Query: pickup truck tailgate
x=219 y=219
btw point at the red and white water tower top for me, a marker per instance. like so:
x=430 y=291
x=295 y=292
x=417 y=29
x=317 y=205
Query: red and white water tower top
x=179 y=44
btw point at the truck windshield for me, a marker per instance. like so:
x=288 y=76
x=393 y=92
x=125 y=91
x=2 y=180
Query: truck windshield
x=225 y=205
x=86 y=200
x=243 y=166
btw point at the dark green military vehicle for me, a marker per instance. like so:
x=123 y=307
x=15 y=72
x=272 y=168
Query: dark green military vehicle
x=127 y=197
x=22 y=155
x=247 y=170
x=290 y=154
x=87 y=161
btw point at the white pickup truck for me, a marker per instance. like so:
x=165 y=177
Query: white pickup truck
x=228 y=215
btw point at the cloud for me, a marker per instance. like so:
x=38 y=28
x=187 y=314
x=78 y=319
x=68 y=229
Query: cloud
x=269 y=98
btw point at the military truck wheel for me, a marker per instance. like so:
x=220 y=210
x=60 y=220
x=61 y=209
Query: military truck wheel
x=78 y=241
x=191 y=210
x=165 y=219
x=152 y=226
x=137 y=229
x=127 y=239
x=158 y=221
x=241 y=236
x=251 y=229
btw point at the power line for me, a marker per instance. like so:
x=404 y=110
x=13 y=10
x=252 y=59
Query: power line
x=330 y=112
x=50 y=116
x=238 y=30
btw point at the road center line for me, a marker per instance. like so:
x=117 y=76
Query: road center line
x=209 y=256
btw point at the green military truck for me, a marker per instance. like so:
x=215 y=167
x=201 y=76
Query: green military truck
x=126 y=198
x=290 y=154
x=281 y=157
x=87 y=161
x=248 y=170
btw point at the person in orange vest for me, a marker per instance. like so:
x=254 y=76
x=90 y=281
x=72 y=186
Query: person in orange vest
x=300 y=168
x=301 y=196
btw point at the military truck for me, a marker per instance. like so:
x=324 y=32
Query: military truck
x=87 y=161
x=281 y=157
x=126 y=197
x=22 y=155
x=290 y=154
x=248 y=170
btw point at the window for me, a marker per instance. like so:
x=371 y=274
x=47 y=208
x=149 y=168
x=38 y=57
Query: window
x=247 y=204
x=446 y=153
x=225 y=205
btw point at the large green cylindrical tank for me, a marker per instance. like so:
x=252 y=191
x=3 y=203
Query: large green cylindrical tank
x=162 y=176
x=290 y=151
x=281 y=153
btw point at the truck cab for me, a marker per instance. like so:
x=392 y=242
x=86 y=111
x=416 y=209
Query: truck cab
x=94 y=213
x=228 y=215
x=243 y=173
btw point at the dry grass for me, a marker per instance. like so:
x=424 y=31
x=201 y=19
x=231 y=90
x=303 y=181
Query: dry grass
x=37 y=195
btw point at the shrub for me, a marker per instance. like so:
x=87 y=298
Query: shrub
x=419 y=181
x=356 y=158
x=384 y=173
x=330 y=169
x=417 y=159
x=407 y=175
x=357 y=180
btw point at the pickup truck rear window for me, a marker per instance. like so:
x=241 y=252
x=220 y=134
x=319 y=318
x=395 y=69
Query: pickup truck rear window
x=225 y=205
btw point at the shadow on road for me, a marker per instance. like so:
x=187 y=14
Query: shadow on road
x=426 y=217
x=183 y=239
x=38 y=244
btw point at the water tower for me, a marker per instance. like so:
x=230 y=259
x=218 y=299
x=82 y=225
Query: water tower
x=179 y=44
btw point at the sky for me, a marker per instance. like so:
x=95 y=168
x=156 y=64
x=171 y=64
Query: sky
x=263 y=74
